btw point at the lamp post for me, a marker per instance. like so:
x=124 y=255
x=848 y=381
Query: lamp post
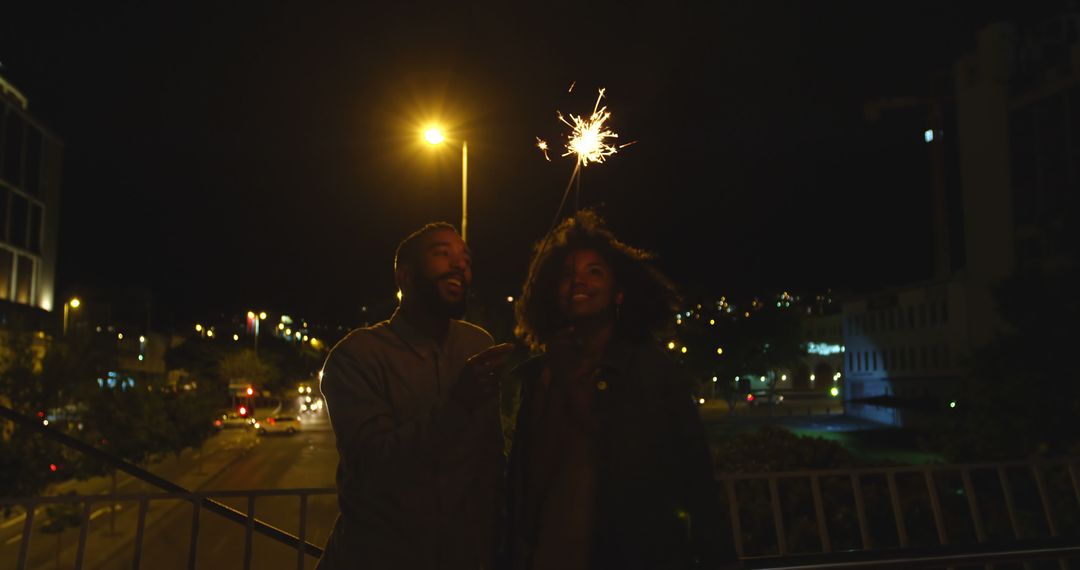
x=68 y=306
x=256 y=318
x=434 y=136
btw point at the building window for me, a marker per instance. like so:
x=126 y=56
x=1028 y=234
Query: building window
x=7 y=260
x=851 y=360
x=32 y=172
x=19 y=212
x=873 y=355
x=13 y=148
x=884 y=359
x=35 y=228
x=4 y=195
x=858 y=361
x=24 y=281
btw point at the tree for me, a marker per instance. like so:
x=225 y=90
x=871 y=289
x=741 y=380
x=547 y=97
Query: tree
x=246 y=367
x=1023 y=392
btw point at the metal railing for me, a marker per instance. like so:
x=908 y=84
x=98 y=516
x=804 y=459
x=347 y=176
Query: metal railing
x=199 y=501
x=974 y=512
x=912 y=516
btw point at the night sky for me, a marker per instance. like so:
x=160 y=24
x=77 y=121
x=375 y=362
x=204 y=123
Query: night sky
x=269 y=157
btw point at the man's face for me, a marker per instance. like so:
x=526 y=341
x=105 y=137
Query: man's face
x=443 y=273
x=587 y=286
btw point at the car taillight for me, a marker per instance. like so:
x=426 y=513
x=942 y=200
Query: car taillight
x=217 y=423
x=749 y=397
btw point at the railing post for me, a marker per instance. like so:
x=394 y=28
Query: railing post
x=935 y=504
x=248 y=529
x=1006 y=490
x=28 y=527
x=860 y=511
x=973 y=505
x=778 y=516
x=144 y=505
x=301 y=533
x=733 y=509
x=193 y=546
x=1040 y=485
x=898 y=512
x=83 y=529
x=819 y=511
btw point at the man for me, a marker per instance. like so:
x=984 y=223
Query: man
x=413 y=405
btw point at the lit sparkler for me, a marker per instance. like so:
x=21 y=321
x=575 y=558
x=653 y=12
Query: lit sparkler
x=588 y=137
x=542 y=145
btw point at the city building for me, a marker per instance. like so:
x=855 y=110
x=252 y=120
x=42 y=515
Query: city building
x=1017 y=98
x=30 y=167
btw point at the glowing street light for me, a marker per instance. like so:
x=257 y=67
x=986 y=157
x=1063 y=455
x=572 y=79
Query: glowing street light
x=70 y=305
x=434 y=136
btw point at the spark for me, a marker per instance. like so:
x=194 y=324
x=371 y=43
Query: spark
x=542 y=145
x=571 y=89
x=588 y=136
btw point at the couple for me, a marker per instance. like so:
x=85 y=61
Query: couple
x=609 y=466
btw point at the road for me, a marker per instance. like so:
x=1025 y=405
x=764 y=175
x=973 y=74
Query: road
x=233 y=460
x=304 y=460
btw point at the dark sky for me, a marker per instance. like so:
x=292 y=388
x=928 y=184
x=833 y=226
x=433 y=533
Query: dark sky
x=267 y=156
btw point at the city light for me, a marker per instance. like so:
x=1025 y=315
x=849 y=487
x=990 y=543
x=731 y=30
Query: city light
x=142 y=338
x=928 y=135
x=281 y=326
x=210 y=333
x=509 y=298
x=783 y=378
x=952 y=404
x=198 y=327
x=812 y=378
x=262 y=316
x=712 y=322
x=236 y=337
x=671 y=345
x=834 y=391
x=714 y=378
x=74 y=302
x=433 y=135
x=250 y=315
x=683 y=350
x=701 y=400
x=250 y=391
x=399 y=295
x=119 y=336
x=719 y=350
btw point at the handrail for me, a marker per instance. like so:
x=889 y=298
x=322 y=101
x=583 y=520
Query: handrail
x=139 y=473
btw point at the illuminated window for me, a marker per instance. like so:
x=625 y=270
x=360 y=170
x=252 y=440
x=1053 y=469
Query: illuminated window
x=24 y=280
x=4 y=196
x=14 y=128
x=7 y=259
x=35 y=228
x=19 y=211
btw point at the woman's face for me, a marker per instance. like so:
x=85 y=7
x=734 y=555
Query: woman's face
x=587 y=286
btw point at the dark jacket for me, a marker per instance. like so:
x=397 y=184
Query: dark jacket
x=656 y=500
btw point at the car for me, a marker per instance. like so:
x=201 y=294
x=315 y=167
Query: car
x=233 y=420
x=278 y=424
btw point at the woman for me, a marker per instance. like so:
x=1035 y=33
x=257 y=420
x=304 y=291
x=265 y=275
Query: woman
x=609 y=466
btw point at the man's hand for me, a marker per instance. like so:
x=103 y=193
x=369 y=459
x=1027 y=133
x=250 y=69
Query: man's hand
x=480 y=378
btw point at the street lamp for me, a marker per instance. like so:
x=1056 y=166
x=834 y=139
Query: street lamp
x=256 y=318
x=72 y=304
x=435 y=136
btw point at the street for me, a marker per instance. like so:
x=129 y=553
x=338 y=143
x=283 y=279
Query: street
x=234 y=460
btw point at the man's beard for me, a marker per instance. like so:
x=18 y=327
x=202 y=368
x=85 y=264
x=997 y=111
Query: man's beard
x=427 y=292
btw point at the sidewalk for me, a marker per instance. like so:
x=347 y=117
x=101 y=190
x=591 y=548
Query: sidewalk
x=192 y=469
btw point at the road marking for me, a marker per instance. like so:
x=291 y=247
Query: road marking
x=13 y=539
x=103 y=510
x=16 y=520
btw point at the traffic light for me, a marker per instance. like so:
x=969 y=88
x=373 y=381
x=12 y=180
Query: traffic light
x=250 y=391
